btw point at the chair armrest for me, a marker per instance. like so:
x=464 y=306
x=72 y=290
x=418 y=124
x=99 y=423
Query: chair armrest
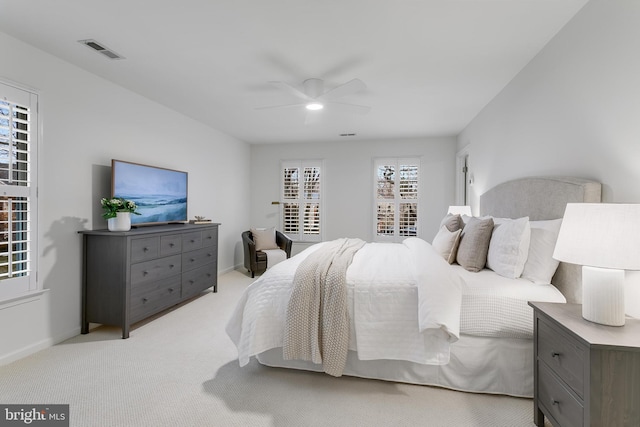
x=249 y=250
x=284 y=242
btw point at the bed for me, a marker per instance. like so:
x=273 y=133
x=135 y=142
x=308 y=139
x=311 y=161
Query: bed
x=475 y=335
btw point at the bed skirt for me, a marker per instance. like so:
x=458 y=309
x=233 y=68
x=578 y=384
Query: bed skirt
x=477 y=365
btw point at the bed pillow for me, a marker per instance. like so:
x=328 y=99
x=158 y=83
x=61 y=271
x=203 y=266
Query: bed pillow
x=509 y=246
x=452 y=222
x=264 y=238
x=540 y=266
x=446 y=243
x=474 y=244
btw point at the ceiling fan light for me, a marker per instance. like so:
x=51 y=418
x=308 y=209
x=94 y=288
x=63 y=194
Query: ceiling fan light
x=314 y=106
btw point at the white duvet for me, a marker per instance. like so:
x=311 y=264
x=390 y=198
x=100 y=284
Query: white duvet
x=404 y=302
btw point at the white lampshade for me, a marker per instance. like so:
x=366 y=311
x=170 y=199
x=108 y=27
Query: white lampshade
x=460 y=210
x=600 y=235
x=605 y=239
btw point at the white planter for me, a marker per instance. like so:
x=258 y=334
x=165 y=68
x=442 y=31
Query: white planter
x=122 y=222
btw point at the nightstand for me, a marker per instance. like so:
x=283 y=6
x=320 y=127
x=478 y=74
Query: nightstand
x=585 y=374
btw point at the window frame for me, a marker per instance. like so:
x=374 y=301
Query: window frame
x=17 y=289
x=396 y=201
x=301 y=236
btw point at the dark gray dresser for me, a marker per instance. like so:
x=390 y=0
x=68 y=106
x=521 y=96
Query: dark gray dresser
x=131 y=275
x=585 y=374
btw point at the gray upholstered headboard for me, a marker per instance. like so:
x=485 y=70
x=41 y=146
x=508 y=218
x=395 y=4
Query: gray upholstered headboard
x=542 y=198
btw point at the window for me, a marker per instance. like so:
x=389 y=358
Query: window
x=18 y=153
x=396 y=195
x=301 y=200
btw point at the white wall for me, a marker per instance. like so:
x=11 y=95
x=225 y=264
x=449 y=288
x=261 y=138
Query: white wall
x=573 y=110
x=348 y=208
x=87 y=121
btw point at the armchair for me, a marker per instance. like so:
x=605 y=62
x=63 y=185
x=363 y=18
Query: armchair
x=255 y=260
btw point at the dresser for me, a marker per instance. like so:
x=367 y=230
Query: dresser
x=131 y=275
x=585 y=374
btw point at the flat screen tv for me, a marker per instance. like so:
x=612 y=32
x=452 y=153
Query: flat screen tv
x=159 y=193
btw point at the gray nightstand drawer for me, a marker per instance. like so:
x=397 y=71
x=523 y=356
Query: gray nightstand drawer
x=557 y=400
x=563 y=354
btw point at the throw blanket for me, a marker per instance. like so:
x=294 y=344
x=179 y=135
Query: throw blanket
x=317 y=323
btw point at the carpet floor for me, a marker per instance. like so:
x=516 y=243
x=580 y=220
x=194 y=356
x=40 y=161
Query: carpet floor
x=181 y=369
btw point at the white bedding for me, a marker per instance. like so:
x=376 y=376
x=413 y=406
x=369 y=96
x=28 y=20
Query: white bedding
x=396 y=312
x=495 y=306
x=404 y=303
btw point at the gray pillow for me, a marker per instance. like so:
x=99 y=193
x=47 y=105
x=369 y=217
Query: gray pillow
x=474 y=244
x=452 y=222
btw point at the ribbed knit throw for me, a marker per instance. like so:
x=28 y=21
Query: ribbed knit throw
x=317 y=323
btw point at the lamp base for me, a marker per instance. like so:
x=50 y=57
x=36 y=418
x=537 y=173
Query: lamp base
x=603 y=295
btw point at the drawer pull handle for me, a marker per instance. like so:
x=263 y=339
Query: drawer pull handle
x=191 y=281
x=171 y=245
x=554 y=402
x=171 y=266
x=555 y=354
x=145 y=249
x=192 y=260
x=144 y=300
x=144 y=273
x=193 y=241
x=170 y=290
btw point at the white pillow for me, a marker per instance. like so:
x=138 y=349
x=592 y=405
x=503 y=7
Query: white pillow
x=264 y=238
x=446 y=243
x=540 y=266
x=509 y=246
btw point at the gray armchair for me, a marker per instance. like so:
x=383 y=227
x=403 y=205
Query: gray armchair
x=256 y=261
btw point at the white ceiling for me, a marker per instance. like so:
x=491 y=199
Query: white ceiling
x=429 y=65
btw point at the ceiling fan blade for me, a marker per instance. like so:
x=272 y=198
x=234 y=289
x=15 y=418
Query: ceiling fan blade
x=353 y=108
x=350 y=87
x=274 y=107
x=292 y=90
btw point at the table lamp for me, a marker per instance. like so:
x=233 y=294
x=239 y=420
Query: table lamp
x=605 y=239
x=460 y=210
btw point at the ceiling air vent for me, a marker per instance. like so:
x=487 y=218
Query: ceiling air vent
x=100 y=48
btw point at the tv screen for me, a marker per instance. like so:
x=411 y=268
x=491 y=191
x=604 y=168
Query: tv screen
x=159 y=193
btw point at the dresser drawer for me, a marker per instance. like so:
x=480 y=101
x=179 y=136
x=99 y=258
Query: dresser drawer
x=563 y=354
x=191 y=241
x=151 y=297
x=170 y=245
x=195 y=281
x=155 y=269
x=144 y=249
x=557 y=400
x=209 y=237
x=195 y=259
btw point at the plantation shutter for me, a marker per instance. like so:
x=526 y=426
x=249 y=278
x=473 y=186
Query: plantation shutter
x=396 y=196
x=301 y=200
x=18 y=148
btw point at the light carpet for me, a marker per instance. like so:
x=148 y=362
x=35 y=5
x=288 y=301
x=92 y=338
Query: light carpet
x=180 y=369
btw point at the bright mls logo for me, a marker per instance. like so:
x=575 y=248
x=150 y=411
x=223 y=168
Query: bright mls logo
x=34 y=415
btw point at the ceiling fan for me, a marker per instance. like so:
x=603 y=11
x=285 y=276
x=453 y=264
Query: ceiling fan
x=313 y=97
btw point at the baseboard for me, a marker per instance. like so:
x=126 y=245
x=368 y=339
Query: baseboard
x=5 y=359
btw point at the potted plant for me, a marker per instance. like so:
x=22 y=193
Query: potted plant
x=117 y=212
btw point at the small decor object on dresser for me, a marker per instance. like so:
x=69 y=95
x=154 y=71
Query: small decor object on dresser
x=117 y=212
x=200 y=220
